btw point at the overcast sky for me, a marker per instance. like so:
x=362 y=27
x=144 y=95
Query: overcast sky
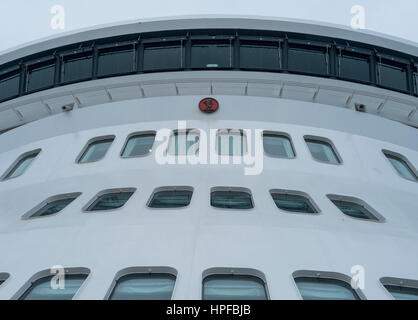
x=27 y=20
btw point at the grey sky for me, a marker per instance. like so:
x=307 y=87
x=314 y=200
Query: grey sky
x=25 y=20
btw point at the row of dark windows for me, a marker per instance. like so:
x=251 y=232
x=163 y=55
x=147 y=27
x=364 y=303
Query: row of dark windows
x=158 y=283
x=218 y=52
x=229 y=142
x=175 y=197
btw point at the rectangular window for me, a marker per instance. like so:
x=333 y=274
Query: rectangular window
x=260 y=55
x=325 y=289
x=354 y=67
x=278 y=145
x=293 y=201
x=310 y=60
x=9 y=85
x=322 y=150
x=184 y=142
x=95 y=149
x=355 y=208
x=110 y=200
x=231 y=142
x=51 y=206
x=21 y=164
x=401 y=165
x=163 y=56
x=231 y=198
x=393 y=75
x=138 y=145
x=211 y=55
x=171 y=197
x=233 y=287
x=143 y=286
x=77 y=67
x=116 y=61
x=40 y=76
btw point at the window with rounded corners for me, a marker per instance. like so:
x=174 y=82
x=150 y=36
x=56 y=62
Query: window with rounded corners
x=323 y=150
x=401 y=165
x=294 y=201
x=138 y=144
x=355 y=208
x=51 y=206
x=231 y=142
x=95 y=149
x=321 y=285
x=231 y=198
x=143 y=283
x=401 y=289
x=21 y=164
x=234 y=284
x=184 y=142
x=170 y=197
x=278 y=145
x=110 y=199
x=3 y=277
x=53 y=284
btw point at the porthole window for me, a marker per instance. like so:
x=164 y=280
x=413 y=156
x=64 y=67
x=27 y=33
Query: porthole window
x=170 y=197
x=95 y=149
x=185 y=142
x=138 y=144
x=212 y=54
x=51 y=206
x=318 y=285
x=236 y=284
x=355 y=208
x=402 y=166
x=111 y=199
x=163 y=55
x=40 y=75
x=401 y=289
x=304 y=58
x=231 y=198
x=116 y=60
x=9 y=85
x=322 y=150
x=137 y=283
x=3 y=277
x=21 y=164
x=392 y=74
x=76 y=66
x=231 y=142
x=293 y=201
x=278 y=145
x=43 y=285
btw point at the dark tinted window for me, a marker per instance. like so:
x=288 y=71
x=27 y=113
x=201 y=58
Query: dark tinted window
x=277 y=145
x=42 y=290
x=112 y=61
x=254 y=55
x=231 y=200
x=233 y=287
x=293 y=203
x=353 y=209
x=416 y=80
x=138 y=145
x=77 y=67
x=325 y=289
x=9 y=86
x=40 y=76
x=393 y=75
x=211 y=55
x=163 y=56
x=354 y=67
x=53 y=207
x=308 y=60
x=402 y=293
x=171 y=199
x=141 y=286
x=110 y=201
